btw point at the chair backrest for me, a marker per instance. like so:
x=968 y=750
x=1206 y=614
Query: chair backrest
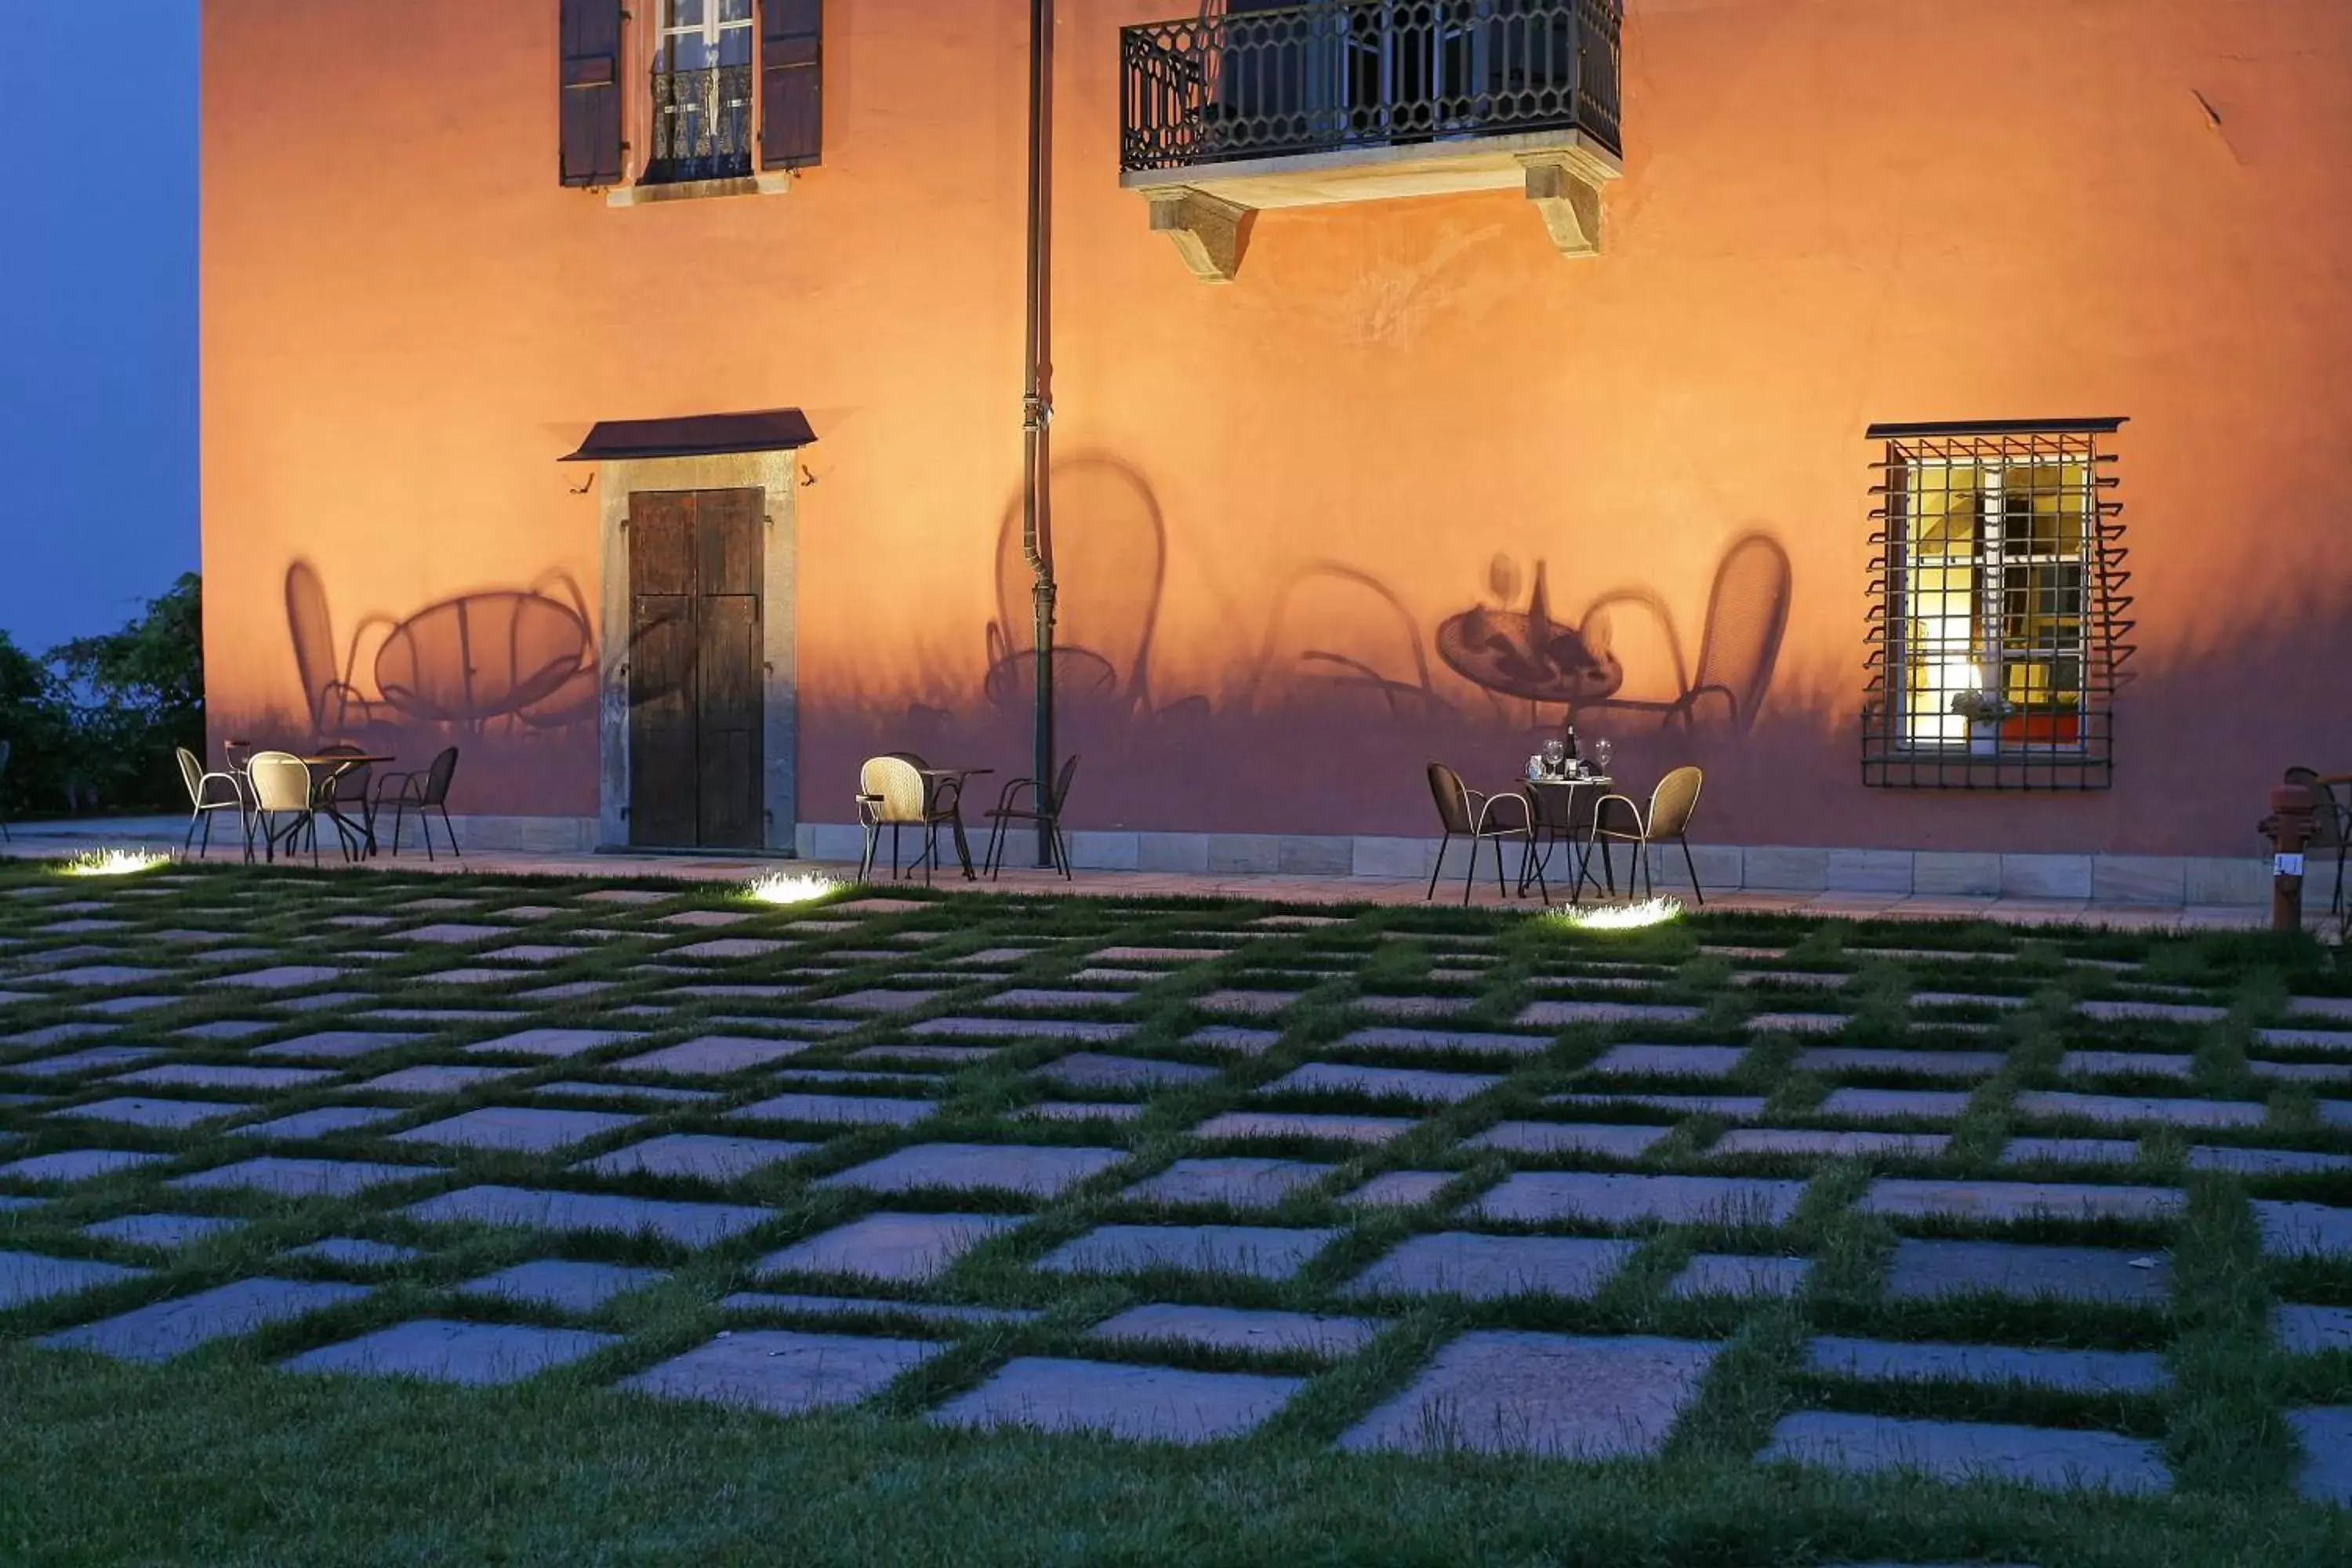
x=191 y=773
x=1671 y=802
x=1062 y=784
x=282 y=781
x=438 y=776
x=351 y=784
x=1452 y=799
x=894 y=787
x=1746 y=616
x=2327 y=823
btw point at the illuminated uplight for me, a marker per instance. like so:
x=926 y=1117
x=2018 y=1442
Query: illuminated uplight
x=796 y=887
x=1620 y=917
x=113 y=862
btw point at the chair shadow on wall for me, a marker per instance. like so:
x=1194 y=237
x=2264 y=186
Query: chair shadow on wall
x=1110 y=567
x=1746 y=617
x=523 y=660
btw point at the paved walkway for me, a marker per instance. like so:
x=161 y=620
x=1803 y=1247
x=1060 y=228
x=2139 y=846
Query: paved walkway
x=52 y=840
x=1578 y=1168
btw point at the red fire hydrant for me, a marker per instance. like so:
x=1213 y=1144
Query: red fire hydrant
x=2289 y=826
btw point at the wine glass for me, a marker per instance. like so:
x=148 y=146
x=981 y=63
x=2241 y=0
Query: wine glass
x=1601 y=751
x=1554 y=753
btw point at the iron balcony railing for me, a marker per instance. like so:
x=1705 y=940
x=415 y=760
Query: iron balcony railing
x=703 y=124
x=1325 y=76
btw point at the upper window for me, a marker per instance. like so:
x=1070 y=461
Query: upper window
x=1996 y=637
x=702 y=90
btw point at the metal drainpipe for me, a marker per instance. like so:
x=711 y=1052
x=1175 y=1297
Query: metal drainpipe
x=1037 y=395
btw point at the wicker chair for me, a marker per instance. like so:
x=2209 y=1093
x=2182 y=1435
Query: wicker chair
x=1044 y=809
x=893 y=792
x=422 y=792
x=1618 y=820
x=208 y=792
x=1464 y=813
x=281 y=788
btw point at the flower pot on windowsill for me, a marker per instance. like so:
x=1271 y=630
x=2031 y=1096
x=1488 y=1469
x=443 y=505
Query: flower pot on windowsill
x=1984 y=737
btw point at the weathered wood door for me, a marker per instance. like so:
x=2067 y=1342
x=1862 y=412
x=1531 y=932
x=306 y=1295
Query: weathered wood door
x=697 y=675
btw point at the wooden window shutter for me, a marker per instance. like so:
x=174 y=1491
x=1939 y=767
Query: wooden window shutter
x=792 y=83
x=591 y=113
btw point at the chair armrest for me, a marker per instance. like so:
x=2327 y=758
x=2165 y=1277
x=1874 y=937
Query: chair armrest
x=1633 y=809
x=1486 y=812
x=1012 y=787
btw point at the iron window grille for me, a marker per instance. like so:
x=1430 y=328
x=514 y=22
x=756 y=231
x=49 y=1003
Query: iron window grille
x=702 y=85
x=1997 y=638
x=1328 y=75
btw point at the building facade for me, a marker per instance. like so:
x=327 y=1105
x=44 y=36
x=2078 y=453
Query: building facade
x=1928 y=415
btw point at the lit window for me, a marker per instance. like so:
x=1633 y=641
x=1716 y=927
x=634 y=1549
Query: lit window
x=1996 y=642
x=702 y=90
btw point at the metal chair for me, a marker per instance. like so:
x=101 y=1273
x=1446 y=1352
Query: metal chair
x=203 y=799
x=1671 y=805
x=1464 y=812
x=422 y=791
x=281 y=787
x=893 y=792
x=2331 y=825
x=1045 y=809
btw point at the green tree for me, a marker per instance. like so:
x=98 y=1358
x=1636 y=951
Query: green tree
x=36 y=721
x=92 y=724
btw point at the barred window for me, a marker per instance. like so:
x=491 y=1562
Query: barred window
x=1997 y=637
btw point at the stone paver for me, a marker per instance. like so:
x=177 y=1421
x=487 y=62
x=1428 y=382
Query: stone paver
x=320 y=1123
x=284 y=977
x=2153 y=1012
x=449 y=931
x=1483 y=1268
x=436 y=1078
x=686 y=1224
x=136 y=1110
x=1893 y=1105
x=352 y=1252
x=1076 y=1110
x=1730 y=1107
x=1238 y=1329
x=1091 y=1070
x=303 y=1178
x=784 y=1372
x=1237 y=1125
x=1797 y=1023
x=1912 y=1064
x=878 y=1001
x=206 y=1074
x=1234 y=1038
x=1413 y=1084
x=161 y=1230
x=1263 y=1252
x=2001 y=1201
x=551 y=1043
x=1244 y=1004
x=1505 y=1390
x=2293 y=1229
x=906 y=1248
x=1401 y=1189
x=1536 y=1196
x=1082 y=1031
x=1238 y=1180
x=2325 y=1434
x=713 y=1056
x=2309 y=1330
x=872 y=1307
x=2125 y=1064
x=79 y=1064
x=2126 y=1109
x=97 y=975
x=562 y=1284
x=2071 y=1370
x=1734 y=1274
x=167 y=1328
x=76 y=1165
x=1616 y=1140
x=1931 y=1271
x=1668 y=1061
x=31 y=1276
x=838 y=1109
x=337 y=1045
x=1141 y=1403
x=475 y=1354
x=1966 y=1451
x=2265 y=1161
x=2069 y=1152
x=1562 y=1015
x=1032 y=1170
x=1463 y=1042
x=530 y=1130
x=699 y=1156
x=727 y=949
x=1831 y=1145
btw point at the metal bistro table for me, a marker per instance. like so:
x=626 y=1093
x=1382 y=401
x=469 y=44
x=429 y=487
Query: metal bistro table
x=1551 y=819
x=325 y=769
x=935 y=780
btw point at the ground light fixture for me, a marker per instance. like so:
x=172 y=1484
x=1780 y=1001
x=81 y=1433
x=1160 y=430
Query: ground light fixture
x=1619 y=917
x=113 y=863
x=794 y=888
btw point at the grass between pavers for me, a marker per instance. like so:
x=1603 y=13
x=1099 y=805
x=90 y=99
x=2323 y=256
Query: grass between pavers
x=881 y=1486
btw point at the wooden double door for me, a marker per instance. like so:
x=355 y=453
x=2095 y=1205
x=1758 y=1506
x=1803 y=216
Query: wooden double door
x=696 y=669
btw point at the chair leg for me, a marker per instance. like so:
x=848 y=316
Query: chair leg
x=1472 y=874
x=1438 y=869
x=190 y=839
x=450 y=828
x=1700 y=893
x=1502 y=887
x=1529 y=857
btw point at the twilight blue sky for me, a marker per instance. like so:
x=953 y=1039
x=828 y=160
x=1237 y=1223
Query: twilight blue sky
x=98 y=351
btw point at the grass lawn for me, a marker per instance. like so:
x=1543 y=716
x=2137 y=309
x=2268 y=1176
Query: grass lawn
x=1067 y=1024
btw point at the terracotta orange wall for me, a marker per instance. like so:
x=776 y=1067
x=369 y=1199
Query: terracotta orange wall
x=1835 y=212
